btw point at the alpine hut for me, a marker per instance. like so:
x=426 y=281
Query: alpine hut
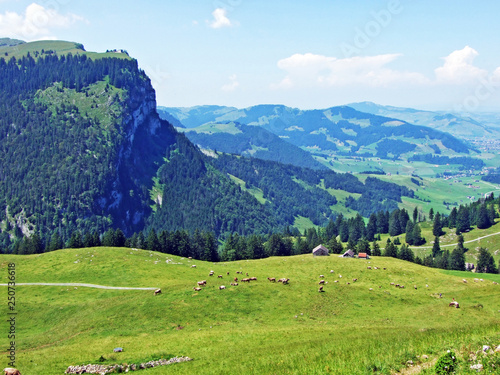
x=320 y=250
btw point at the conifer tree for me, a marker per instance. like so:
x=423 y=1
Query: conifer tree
x=485 y=262
x=436 y=249
x=376 y=249
x=437 y=228
x=457 y=259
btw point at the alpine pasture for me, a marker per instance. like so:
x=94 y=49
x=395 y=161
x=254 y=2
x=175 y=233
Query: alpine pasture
x=261 y=327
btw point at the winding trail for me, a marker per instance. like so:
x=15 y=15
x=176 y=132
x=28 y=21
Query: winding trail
x=455 y=244
x=84 y=285
x=450 y=244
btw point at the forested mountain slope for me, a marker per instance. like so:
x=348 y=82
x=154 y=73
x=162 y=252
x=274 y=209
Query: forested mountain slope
x=250 y=141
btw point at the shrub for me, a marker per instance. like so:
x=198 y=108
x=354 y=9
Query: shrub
x=446 y=363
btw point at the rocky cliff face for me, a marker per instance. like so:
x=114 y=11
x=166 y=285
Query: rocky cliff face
x=145 y=140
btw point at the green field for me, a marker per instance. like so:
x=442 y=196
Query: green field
x=58 y=46
x=255 y=328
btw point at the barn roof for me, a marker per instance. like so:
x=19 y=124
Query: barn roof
x=348 y=253
x=320 y=248
x=363 y=255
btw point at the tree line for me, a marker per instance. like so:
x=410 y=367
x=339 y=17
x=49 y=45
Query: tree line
x=338 y=235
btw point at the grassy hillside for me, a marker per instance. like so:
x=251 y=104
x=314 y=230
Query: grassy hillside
x=261 y=327
x=56 y=46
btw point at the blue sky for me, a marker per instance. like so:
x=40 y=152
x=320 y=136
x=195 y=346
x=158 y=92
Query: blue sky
x=308 y=54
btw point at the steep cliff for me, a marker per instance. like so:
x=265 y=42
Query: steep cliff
x=81 y=142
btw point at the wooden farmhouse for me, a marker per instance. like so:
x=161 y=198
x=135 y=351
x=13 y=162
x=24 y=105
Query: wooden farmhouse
x=363 y=256
x=320 y=250
x=348 y=254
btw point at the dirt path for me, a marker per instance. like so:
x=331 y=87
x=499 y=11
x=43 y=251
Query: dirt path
x=84 y=285
x=455 y=244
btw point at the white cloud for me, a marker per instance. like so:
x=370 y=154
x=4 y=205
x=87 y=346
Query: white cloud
x=220 y=19
x=231 y=86
x=318 y=70
x=458 y=67
x=36 y=22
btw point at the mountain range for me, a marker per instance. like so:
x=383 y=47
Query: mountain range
x=84 y=150
x=324 y=133
x=457 y=125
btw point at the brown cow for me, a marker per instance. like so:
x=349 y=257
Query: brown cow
x=11 y=371
x=197 y=289
x=222 y=287
x=245 y=280
x=454 y=304
x=235 y=279
x=234 y=284
x=157 y=291
x=272 y=279
x=219 y=277
x=201 y=283
x=321 y=282
x=320 y=289
x=253 y=278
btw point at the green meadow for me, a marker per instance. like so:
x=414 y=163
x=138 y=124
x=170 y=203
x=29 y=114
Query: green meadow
x=354 y=327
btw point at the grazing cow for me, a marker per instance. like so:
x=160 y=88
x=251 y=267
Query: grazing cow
x=234 y=284
x=235 y=279
x=369 y=267
x=354 y=280
x=284 y=281
x=336 y=281
x=376 y=268
x=253 y=278
x=197 y=289
x=348 y=283
x=222 y=287
x=321 y=276
x=321 y=282
x=245 y=280
x=415 y=287
x=201 y=283
x=392 y=283
x=454 y=304
x=157 y=291
x=211 y=274
x=228 y=273
x=331 y=271
x=239 y=272
x=11 y=371
x=465 y=281
x=193 y=266
x=340 y=276
x=272 y=279
x=401 y=286
x=320 y=289
x=219 y=277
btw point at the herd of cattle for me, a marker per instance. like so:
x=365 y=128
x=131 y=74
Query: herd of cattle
x=247 y=279
x=285 y=281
